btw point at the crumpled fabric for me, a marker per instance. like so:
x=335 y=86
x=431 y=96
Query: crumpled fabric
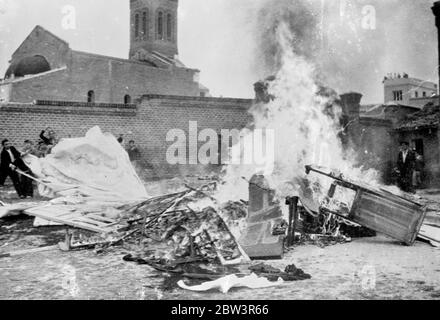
x=93 y=166
x=232 y=281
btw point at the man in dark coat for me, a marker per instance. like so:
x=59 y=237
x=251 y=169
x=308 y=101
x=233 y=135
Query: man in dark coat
x=405 y=166
x=10 y=161
x=133 y=151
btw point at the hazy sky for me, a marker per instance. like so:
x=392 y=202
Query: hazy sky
x=225 y=39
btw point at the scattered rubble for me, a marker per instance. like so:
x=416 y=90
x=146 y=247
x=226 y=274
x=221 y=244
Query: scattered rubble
x=190 y=229
x=291 y=273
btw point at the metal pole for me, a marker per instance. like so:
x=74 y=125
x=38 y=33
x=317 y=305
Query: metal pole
x=436 y=11
x=292 y=202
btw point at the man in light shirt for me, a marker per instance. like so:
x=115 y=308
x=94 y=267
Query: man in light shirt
x=405 y=167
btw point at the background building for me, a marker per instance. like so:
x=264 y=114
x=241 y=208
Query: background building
x=44 y=67
x=408 y=91
x=153 y=28
x=143 y=97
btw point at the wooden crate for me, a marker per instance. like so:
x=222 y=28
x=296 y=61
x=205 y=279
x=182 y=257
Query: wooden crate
x=380 y=210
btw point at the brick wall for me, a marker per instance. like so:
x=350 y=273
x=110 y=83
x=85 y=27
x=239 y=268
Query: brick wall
x=147 y=124
x=163 y=114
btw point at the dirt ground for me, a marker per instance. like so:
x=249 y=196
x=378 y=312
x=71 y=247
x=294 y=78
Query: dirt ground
x=366 y=268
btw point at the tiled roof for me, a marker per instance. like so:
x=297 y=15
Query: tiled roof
x=378 y=110
x=427 y=118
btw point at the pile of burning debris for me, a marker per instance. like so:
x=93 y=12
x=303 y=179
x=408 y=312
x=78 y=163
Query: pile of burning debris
x=190 y=235
x=191 y=225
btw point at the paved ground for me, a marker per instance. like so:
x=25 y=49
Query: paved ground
x=368 y=268
x=373 y=268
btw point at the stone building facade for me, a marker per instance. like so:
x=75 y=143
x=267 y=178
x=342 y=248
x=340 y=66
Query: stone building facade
x=376 y=134
x=153 y=28
x=420 y=129
x=44 y=67
x=80 y=76
x=409 y=91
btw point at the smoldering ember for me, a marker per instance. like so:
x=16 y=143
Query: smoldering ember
x=302 y=172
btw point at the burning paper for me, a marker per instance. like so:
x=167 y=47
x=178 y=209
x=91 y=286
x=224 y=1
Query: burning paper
x=232 y=281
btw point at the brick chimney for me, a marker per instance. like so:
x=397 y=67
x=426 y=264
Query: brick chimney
x=351 y=105
x=261 y=89
x=436 y=11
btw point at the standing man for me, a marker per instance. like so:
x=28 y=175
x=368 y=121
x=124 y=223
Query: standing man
x=133 y=151
x=27 y=186
x=9 y=157
x=405 y=167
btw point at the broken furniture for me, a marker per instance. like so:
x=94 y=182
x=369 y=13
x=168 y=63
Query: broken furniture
x=70 y=215
x=377 y=209
x=264 y=213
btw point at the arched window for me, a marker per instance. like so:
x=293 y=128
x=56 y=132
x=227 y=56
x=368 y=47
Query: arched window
x=127 y=99
x=160 y=25
x=169 y=27
x=91 y=96
x=145 y=24
x=136 y=25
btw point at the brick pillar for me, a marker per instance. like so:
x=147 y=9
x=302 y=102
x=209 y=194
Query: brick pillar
x=351 y=105
x=264 y=213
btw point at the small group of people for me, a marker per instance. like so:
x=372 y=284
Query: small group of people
x=410 y=166
x=48 y=140
x=12 y=162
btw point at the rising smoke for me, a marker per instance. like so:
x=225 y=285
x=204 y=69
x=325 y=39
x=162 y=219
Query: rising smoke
x=352 y=43
x=304 y=132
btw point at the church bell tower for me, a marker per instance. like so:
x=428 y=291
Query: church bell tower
x=153 y=28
